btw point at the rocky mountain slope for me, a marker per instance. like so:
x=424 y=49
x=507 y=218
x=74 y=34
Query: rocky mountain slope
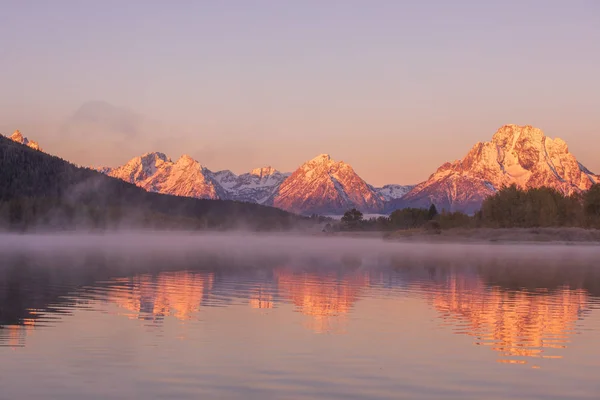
x=18 y=137
x=520 y=155
x=324 y=186
x=393 y=192
x=155 y=172
x=254 y=187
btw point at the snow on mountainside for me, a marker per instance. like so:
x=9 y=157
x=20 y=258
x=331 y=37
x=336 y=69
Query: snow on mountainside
x=319 y=186
x=256 y=186
x=18 y=137
x=520 y=155
x=392 y=192
x=156 y=172
x=324 y=186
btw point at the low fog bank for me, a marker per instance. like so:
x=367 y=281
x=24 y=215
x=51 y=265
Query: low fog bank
x=244 y=246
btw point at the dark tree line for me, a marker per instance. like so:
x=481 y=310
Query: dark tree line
x=510 y=207
x=540 y=207
x=406 y=218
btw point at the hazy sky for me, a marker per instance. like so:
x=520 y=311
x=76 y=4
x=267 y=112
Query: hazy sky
x=395 y=88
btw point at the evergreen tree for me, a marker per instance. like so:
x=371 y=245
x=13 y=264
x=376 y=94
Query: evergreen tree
x=591 y=201
x=352 y=216
x=433 y=212
x=352 y=219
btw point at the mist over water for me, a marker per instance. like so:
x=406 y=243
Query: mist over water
x=252 y=244
x=254 y=316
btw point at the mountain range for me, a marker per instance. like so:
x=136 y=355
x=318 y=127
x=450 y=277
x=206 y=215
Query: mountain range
x=520 y=155
x=319 y=186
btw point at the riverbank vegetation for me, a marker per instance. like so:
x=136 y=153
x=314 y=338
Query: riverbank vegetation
x=510 y=207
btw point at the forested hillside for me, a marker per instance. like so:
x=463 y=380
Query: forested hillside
x=38 y=190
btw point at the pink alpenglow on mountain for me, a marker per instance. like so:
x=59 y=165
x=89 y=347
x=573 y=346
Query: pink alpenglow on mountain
x=155 y=172
x=324 y=186
x=320 y=185
x=520 y=155
x=18 y=137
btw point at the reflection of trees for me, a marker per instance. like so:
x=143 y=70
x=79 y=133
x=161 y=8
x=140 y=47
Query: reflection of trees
x=261 y=298
x=326 y=297
x=14 y=335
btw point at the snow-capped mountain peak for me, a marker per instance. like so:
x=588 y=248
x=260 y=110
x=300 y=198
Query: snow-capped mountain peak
x=321 y=158
x=156 y=172
x=140 y=168
x=322 y=185
x=226 y=178
x=186 y=160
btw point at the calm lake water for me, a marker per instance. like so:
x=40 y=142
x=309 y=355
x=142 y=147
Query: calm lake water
x=105 y=326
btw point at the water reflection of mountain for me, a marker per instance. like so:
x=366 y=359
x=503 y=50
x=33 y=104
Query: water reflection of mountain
x=517 y=324
x=177 y=294
x=521 y=311
x=326 y=297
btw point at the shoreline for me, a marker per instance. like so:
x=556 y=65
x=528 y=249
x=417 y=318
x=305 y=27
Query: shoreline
x=565 y=236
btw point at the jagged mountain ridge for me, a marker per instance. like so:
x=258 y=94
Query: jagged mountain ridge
x=393 y=192
x=255 y=186
x=520 y=155
x=186 y=177
x=156 y=172
x=18 y=137
x=318 y=186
